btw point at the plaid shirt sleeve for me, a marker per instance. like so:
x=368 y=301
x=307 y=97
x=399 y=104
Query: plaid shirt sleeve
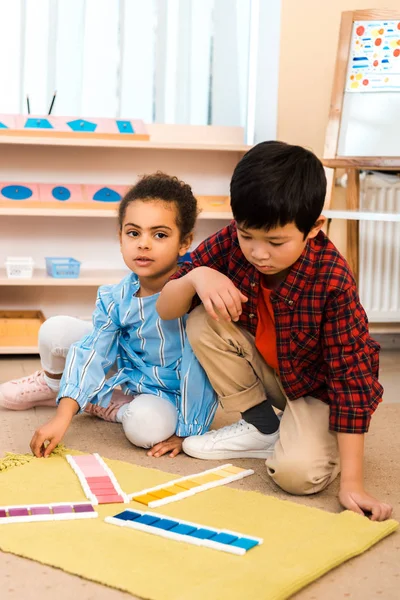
x=351 y=377
x=211 y=253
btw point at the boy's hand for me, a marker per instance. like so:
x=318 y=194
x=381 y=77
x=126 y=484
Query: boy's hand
x=360 y=502
x=51 y=432
x=217 y=293
x=173 y=444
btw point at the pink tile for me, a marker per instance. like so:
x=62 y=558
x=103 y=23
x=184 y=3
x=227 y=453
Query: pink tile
x=109 y=499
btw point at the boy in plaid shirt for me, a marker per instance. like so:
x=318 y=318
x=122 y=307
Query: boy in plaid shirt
x=281 y=325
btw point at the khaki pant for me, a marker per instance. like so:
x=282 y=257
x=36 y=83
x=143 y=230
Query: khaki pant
x=306 y=458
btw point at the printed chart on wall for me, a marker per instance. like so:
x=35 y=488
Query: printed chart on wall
x=374 y=62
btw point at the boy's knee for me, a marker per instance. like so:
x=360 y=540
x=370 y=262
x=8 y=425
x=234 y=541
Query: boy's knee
x=149 y=420
x=195 y=326
x=301 y=476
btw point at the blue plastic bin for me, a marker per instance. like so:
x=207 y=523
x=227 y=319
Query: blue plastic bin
x=62 y=267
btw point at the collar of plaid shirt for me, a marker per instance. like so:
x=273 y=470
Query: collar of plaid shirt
x=247 y=278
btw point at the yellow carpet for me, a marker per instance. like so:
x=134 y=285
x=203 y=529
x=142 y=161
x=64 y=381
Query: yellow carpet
x=300 y=543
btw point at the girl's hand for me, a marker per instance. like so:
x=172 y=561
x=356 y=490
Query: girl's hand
x=173 y=445
x=52 y=432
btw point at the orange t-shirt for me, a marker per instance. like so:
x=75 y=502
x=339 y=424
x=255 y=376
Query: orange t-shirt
x=266 y=332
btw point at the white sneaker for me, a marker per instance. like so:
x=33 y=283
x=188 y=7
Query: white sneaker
x=240 y=440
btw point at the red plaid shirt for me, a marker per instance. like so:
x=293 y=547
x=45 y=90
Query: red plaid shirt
x=323 y=343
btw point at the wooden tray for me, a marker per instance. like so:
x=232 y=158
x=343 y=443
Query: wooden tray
x=19 y=331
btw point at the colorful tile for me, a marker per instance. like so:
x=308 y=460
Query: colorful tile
x=80 y=508
x=58 y=510
x=128 y=515
x=188 y=484
x=40 y=510
x=165 y=524
x=159 y=494
x=207 y=478
x=225 y=538
x=184 y=529
x=147 y=519
x=110 y=499
x=204 y=534
x=18 y=512
x=246 y=543
x=174 y=489
x=145 y=499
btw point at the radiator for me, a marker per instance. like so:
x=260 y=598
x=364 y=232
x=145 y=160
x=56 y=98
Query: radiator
x=379 y=269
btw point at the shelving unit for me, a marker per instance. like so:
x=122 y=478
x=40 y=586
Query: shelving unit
x=204 y=157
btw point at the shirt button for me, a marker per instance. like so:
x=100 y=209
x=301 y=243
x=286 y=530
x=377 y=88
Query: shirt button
x=290 y=302
x=252 y=284
x=252 y=315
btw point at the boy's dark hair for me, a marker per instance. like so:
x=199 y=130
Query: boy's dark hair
x=275 y=184
x=160 y=186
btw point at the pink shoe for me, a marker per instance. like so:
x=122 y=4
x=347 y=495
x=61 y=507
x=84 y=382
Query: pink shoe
x=27 y=392
x=109 y=413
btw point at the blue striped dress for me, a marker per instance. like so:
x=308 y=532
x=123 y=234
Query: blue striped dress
x=150 y=356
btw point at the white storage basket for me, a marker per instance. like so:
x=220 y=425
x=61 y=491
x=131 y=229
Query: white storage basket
x=19 y=267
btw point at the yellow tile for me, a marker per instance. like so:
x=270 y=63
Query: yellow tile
x=175 y=489
x=223 y=473
x=233 y=470
x=161 y=493
x=145 y=498
x=207 y=478
x=188 y=484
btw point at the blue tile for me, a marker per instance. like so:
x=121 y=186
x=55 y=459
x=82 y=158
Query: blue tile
x=225 y=538
x=125 y=127
x=147 y=519
x=165 y=524
x=203 y=534
x=81 y=125
x=107 y=195
x=127 y=515
x=38 y=124
x=184 y=529
x=246 y=543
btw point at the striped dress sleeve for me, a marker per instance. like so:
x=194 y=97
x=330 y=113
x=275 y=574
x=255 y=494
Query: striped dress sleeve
x=90 y=359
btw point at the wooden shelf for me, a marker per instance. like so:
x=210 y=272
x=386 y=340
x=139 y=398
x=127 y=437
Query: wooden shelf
x=19 y=350
x=88 y=278
x=89 y=212
x=39 y=140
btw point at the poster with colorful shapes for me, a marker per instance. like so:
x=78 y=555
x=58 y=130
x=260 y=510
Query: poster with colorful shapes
x=374 y=63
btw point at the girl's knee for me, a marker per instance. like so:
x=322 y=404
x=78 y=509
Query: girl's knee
x=60 y=332
x=149 y=420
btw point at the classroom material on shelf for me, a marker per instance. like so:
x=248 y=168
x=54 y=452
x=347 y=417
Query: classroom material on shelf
x=363 y=126
x=19 y=267
x=73 y=127
x=20 y=329
x=185 y=531
x=177 y=489
x=83 y=197
x=96 y=478
x=61 y=267
x=55 y=511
